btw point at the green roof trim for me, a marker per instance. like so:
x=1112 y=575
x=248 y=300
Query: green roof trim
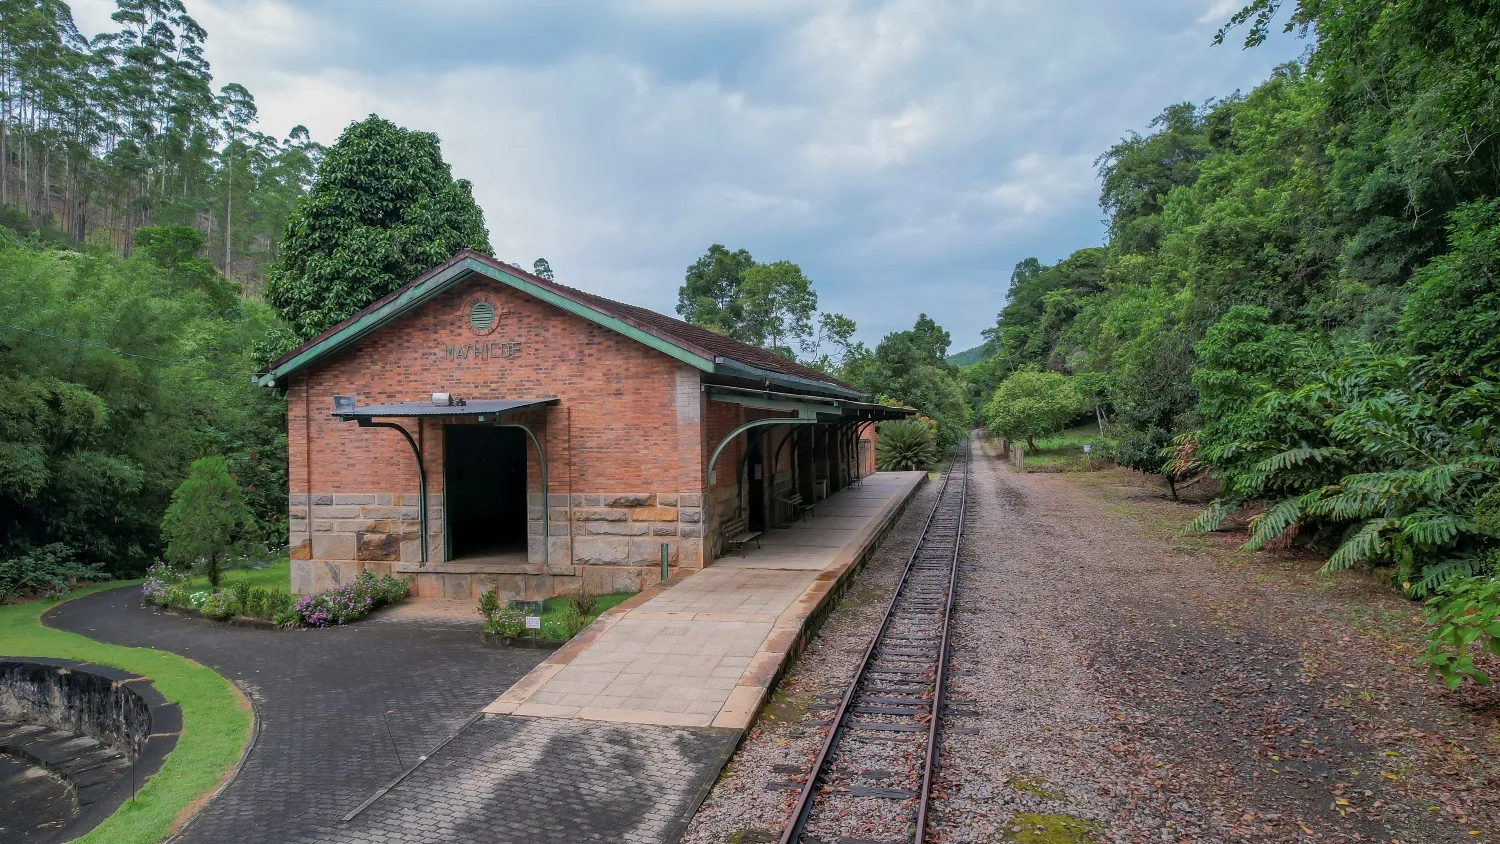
x=429 y=288
x=588 y=313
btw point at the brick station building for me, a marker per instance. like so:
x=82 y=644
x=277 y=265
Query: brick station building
x=563 y=438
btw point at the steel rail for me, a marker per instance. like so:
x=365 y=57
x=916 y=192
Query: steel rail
x=942 y=664
x=807 y=796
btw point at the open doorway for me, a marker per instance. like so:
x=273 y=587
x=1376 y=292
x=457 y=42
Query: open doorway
x=484 y=491
x=755 y=518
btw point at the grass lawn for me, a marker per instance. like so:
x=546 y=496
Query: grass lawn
x=278 y=575
x=1063 y=451
x=215 y=718
x=554 y=612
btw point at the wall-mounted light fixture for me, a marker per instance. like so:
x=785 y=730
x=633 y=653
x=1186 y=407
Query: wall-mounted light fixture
x=442 y=399
x=343 y=404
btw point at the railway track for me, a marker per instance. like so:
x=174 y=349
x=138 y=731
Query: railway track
x=892 y=710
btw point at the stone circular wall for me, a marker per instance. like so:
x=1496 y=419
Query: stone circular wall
x=100 y=729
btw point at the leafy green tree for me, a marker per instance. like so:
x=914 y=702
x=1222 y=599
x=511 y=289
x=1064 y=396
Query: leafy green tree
x=778 y=302
x=1137 y=173
x=207 y=524
x=1042 y=301
x=837 y=352
x=772 y=305
x=1031 y=404
x=119 y=380
x=383 y=209
x=710 y=294
x=1453 y=314
x=911 y=368
x=175 y=250
x=541 y=269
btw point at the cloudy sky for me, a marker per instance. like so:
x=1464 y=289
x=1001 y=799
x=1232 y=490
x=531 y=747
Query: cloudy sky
x=906 y=153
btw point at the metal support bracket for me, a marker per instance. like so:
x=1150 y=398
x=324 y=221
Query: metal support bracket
x=754 y=423
x=541 y=460
x=365 y=422
x=802 y=418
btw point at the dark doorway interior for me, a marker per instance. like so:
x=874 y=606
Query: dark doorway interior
x=484 y=490
x=755 y=470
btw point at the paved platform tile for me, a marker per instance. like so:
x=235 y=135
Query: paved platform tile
x=511 y=779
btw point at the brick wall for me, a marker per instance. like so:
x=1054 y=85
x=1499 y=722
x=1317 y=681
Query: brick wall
x=628 y=424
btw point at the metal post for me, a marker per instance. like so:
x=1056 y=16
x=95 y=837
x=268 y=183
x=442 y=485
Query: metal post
x=541 y=460
x=664 y=553
x=365 y=422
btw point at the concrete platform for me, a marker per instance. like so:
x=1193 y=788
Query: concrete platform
x=703 y=650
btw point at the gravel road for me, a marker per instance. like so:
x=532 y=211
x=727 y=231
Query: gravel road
x=1114 y=681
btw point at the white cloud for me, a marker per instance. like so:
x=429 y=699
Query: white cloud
x=877 y=143
x=1219 y=12
x=1038 y=186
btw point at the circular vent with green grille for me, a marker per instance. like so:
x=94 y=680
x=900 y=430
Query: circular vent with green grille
x=482 y=317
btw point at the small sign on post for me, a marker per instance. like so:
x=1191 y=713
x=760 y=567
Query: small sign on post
x=1088 y=459
x=533 y=622
x=1088 y=447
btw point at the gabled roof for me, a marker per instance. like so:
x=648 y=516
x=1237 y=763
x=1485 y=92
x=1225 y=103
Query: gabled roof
x=698 y=347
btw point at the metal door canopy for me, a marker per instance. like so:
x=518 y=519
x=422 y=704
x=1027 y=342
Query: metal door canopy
x=476 y=407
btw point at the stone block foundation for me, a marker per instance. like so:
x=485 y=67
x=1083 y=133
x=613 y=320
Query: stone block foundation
x=598 y=543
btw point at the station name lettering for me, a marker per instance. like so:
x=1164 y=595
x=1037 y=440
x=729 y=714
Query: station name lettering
x=481 y=351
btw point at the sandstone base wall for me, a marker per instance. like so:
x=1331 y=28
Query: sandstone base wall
x=597 y=543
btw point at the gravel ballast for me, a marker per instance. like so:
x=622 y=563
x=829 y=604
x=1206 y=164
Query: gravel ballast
x=1115 y=681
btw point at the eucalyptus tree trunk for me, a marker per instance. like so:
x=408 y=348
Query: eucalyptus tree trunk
x=229 y=217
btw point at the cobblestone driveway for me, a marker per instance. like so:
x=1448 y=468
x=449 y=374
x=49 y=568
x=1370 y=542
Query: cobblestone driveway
x=342 y=711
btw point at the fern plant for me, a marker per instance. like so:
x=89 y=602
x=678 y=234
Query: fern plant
x=904 y=445
x=1394 y=480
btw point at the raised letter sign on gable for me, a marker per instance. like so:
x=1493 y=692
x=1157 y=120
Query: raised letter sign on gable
x=481 y=315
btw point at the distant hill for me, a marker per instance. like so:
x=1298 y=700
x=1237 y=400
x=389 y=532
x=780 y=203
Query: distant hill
x=967 y=356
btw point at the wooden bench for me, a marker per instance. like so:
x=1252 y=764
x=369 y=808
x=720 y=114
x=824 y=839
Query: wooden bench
x=799 y=509
x=735 y=536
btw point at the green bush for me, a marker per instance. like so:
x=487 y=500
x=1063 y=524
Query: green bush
x=278 y=604
x=1032 y=404
x=241 y=596
x=1465 y=616
x=904 y=445
x=218 y=605
x=347 y=603
x=489 y=604
x=565 y=624
x=505 y=621
x=47 y=570
x=584 y=603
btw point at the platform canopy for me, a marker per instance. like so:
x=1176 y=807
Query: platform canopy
x=476 y=407
x=809 y=407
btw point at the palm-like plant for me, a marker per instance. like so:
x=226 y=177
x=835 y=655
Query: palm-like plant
x=904 y=445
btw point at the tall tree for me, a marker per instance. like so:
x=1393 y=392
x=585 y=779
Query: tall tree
x=383 y=208
x=710 y=294
x=541 y=269
x=778 y=303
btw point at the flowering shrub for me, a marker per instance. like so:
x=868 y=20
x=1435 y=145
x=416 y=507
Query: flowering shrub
x=197 y=600
x=154 y=591
x=161 y=580
x=505 y=621
x=347 y=603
